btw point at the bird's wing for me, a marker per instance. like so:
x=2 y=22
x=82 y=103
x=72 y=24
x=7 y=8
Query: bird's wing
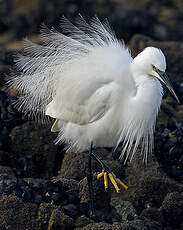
x=71 y=66
x=92 y=107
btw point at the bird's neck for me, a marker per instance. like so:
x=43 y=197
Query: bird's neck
x=148 y=95
x=148 y=89
x=140 y=114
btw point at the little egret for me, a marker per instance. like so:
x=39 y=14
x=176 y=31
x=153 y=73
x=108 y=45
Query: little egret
x=99 y=95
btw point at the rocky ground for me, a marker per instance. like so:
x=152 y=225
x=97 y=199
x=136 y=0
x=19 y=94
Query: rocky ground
x=41 y=187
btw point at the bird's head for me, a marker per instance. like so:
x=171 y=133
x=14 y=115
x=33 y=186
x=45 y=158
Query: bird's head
x=151 y=63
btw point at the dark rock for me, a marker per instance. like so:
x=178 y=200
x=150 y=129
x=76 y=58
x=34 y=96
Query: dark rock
x=27 y=195
x=16 y=190
x=36 y=183
x=166 y=132
x=39 y=190
x=168 y=149
x=131 y=216
x=72 y=198
x=153 y=214
x=56 y=197
x=151 y=189
x=7 y=57
x=161 y=32
x=174 y=171
x=181 y=226
x=38 y=199
x=23 y=165
x=68 y=184
x=172 y=208
x=101 y=197
x=23 y=27
x=4 y=71
x=5 y=142
x=69 y=194
x=9 y=118
x=148 y=184
x=121 y=226
x=82 y=221
x=96 y=226
x=70 y=210
x=145 y=225
x=59 y=220
x=6 y=173
x=37 y=160
x=8 y=181
x=123 y=208
x=172 y=124
x=83 y=208
x=170 y=143
x=136 y=21
x=75 y=165
x=53 y=187
x=6 y=8
x=16 y=215
x=105 y=226
x=5 y=157
x=43 y=215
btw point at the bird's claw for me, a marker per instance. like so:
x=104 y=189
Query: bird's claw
x=113 y=180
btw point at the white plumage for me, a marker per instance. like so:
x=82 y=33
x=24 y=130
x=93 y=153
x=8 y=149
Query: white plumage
x=88 y=81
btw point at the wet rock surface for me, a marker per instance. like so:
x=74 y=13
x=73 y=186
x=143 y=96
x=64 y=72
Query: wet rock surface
x=35 y=150
x=75 y=165
x=101 y=198
x=43 y=187
x=171 y=208
x=15 y=213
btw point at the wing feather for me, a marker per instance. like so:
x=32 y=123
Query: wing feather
x=61 y=76
x=83 y=112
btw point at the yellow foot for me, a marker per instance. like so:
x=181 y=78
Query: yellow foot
x=113 y=179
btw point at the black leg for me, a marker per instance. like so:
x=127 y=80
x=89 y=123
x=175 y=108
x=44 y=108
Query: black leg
x=103 y=165
x=106 y=170
x=90 y=178
x=90 y=182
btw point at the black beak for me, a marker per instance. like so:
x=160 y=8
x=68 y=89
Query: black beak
x=164 y=78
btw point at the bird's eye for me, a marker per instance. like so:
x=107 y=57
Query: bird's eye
x=154 y=68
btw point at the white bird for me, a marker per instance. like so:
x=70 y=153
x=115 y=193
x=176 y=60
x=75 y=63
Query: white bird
x=88 y=81
x=99 y=95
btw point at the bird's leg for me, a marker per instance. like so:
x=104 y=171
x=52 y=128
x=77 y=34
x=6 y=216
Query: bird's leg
x=106 y=170
x=90 y=182
x=104 y=166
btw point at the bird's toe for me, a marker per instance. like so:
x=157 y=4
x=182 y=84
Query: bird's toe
x=114 y=180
